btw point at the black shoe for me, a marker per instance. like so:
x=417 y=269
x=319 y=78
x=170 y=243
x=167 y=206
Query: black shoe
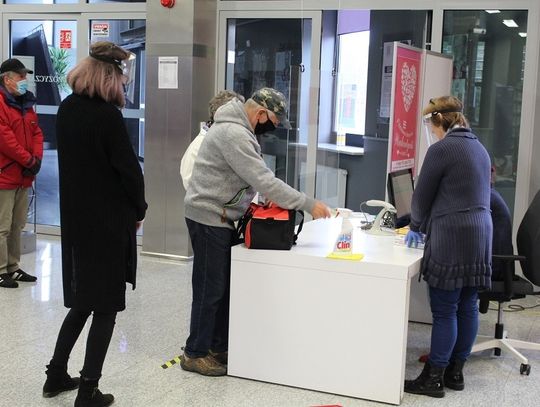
x=58 y=381
x=429 y=383
x=453 y=375
x=95 y=399
x=20 y=275
x=90 y=396
x=7 y=282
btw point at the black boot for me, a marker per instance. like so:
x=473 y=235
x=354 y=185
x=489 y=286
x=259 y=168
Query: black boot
x=453 y=375
x=90 y=396
x=58 y=380
x=429 y=383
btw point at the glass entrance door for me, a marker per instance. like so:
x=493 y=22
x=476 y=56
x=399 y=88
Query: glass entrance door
x=48 y=46
x=52 y=45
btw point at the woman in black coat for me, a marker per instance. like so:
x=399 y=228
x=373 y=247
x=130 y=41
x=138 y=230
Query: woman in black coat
x=101 y=207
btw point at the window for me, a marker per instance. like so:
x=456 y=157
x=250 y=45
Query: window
x=352 y=83
x=489 y=57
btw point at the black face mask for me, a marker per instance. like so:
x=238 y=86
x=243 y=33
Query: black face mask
x=261 y=128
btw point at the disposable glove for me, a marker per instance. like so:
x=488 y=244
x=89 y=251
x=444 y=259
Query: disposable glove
x=413 y=238
x=33 y=169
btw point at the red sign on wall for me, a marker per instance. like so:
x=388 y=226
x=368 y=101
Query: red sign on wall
x=65 y=38
x=405 y=112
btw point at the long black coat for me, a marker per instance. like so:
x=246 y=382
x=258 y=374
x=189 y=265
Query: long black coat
x=101 y=198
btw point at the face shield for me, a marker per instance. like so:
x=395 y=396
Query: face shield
x=431 y=138
x=129 y=68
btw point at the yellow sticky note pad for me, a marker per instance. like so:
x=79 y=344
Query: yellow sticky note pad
x=345 y=256
x=402 y=231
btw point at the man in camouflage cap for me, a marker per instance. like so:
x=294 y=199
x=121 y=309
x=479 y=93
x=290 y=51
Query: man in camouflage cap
x=274 y=101
x=227 y=173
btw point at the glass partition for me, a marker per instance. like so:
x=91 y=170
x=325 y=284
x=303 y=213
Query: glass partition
x=272 y=53
x=488 y=47
x=354 y=106
x=351 y=123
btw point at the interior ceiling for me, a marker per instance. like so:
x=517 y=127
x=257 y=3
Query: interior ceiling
x=462 y=22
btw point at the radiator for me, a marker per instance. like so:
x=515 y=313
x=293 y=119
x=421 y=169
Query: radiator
x=330 y=184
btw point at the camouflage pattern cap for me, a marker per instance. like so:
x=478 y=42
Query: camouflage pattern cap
x=274 y=101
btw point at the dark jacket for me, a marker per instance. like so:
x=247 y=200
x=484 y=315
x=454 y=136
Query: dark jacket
x=451 y=204
x=101 y=198
x=20 y=138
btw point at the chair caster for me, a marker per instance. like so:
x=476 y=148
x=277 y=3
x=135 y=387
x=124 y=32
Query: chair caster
x=525 y=369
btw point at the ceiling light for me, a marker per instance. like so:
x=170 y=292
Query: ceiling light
x=510 y=23
x=523 y=35
x=493 y=11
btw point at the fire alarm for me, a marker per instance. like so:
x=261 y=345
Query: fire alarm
x=168 y=3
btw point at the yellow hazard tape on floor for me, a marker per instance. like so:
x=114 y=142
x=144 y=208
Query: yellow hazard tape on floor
x=171 y=362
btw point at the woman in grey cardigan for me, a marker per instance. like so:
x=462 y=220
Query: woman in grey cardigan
x=450 y=205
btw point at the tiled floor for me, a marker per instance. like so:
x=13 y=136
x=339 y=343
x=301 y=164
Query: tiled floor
x=154 y=326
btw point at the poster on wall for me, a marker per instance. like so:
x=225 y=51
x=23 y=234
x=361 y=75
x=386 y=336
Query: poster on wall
x=100 y=30
x=404 y=117
x=386 y=79
x=168 y=73
x=65 y=39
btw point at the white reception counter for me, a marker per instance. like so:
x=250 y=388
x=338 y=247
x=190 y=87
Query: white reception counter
x=337 y=326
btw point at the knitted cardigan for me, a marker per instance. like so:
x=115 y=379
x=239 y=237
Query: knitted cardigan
x=451 y=205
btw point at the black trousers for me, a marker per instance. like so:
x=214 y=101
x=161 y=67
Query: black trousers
x=97 y=343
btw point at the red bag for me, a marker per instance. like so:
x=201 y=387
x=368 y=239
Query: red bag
x=269 y=227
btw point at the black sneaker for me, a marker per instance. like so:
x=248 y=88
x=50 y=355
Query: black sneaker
x=20 y=275
x=7 y=282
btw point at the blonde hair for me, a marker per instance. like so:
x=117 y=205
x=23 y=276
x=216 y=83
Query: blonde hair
x=100 y=74
x=446 y=112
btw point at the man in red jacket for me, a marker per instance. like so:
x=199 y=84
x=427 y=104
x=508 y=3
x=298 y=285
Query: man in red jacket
x=21 y=151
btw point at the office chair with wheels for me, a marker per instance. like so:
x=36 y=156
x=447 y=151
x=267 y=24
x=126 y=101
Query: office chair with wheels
x=512 y=287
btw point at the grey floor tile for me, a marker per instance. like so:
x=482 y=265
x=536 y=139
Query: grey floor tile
x=155 y=326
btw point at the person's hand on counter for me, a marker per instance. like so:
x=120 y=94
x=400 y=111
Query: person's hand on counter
x=320 y=210
x=413 y=238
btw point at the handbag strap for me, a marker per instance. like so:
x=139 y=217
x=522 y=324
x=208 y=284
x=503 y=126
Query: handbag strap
x=242 y=224
x=299 y=226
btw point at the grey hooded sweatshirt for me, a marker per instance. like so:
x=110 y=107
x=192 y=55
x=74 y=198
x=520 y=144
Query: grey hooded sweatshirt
x=229 y=170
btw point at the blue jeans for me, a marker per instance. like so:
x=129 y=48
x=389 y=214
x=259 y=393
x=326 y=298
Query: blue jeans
x=455 y=324
x=209 y=327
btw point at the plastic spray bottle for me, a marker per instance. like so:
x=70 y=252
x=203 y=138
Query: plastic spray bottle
x=344 y=242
